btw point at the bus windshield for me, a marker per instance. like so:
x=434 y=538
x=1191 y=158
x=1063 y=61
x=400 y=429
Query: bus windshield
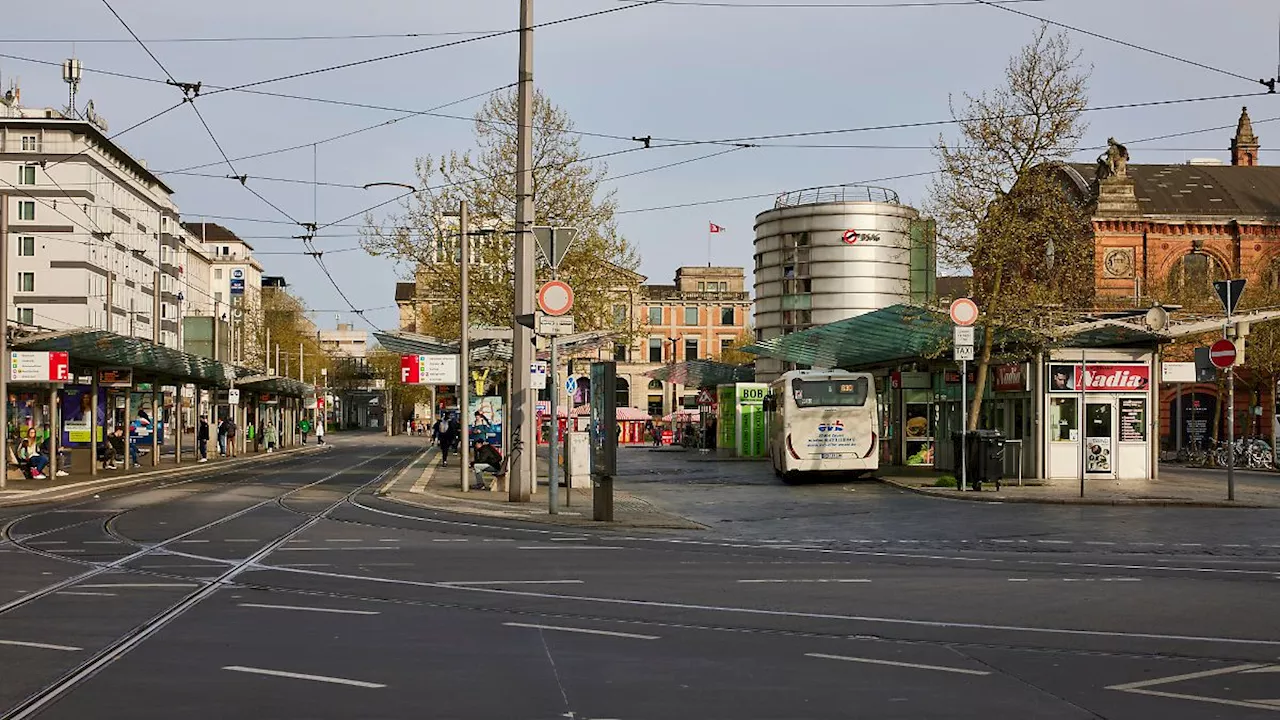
x=849 y=392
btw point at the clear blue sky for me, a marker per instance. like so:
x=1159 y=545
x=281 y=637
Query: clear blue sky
x=680 y=71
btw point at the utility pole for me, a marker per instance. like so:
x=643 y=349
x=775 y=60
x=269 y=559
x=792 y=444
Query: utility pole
x=155 y=306
x=464 y=344
x=524 y=472
x=4 y=334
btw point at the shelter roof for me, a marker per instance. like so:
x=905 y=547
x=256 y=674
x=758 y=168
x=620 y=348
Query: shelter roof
x=703 y=373
x=102 y=348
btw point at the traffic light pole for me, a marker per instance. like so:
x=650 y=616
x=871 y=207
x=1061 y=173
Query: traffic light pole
x=524 y=468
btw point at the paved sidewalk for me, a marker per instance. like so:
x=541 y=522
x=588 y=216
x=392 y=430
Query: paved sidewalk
x=425 y=484
x=79 y=482
x=1177 y=486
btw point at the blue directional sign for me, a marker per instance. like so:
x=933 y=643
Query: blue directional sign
x=571 y=385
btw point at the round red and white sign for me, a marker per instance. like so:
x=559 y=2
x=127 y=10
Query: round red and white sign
x=555 y=297
x=1222 y=353
x=850 y=237
x=964 y=312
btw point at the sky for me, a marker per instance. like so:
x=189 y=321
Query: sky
x=691 y=71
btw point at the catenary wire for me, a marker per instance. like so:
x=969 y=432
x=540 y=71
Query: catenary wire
x=1125 y=43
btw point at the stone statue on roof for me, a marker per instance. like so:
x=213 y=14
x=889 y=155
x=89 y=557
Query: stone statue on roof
x=1114 y=162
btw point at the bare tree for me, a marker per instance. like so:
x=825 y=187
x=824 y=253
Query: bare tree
x=1000 y=206
x=567 y=193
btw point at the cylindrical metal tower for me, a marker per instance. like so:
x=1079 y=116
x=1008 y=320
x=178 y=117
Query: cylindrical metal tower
x=826 y=254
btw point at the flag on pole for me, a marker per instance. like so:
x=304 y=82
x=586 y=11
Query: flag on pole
x=716 y=228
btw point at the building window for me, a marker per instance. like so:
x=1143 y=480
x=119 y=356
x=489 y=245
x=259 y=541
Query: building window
x=691 y=316
x=26 y=246
x=619 y=315
x=30 y=143
x=26 y=174
x=702 y=287
x=691 y=348
x=725 y=345
x=217 y=275
x=620 y=352
x=27 y=210
x=655 y=350
x=217 y=297
x=726 y=316
x=690 y=402
x=27 y=316
x=655 y=315
x=26 y=282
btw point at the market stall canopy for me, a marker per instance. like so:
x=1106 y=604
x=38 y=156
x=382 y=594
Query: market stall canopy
x=703 y=373
x=106 y=349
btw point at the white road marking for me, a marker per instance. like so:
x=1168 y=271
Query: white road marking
x=570 y=547
x=818 y=580
x=448 y=539
x=1141 y=687
x=191 y=565
x=511 y=582
x=334 y=549
x=584 y=631
x=47 y=542
x=1018 y=580
x=94 y=594
x=766 y=612
x=304 y=565
x=138 y=585
x=192 y=542
x=1098 y=542
x=893 y=663
x=303 y=676
x=388 y=540
x=309 y=609
x=343 y=540
x=102 y=542
x=41 y=646
x=241 y=540
x=1055 y=542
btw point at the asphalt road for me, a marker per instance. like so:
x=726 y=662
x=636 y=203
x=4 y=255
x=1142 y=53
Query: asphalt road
x=290 y=591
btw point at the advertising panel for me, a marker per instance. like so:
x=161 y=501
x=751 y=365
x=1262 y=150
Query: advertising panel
x=77 y=410
x=39 y=366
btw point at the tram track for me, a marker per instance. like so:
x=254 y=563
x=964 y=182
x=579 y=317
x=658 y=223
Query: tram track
x=42 y=698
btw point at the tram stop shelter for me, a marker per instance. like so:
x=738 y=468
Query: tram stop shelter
x=154 y=395
x=1079 y=399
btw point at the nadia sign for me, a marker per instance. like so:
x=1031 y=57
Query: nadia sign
x=1100 y=378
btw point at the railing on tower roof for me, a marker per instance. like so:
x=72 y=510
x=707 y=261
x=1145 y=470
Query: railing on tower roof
x=836 y=193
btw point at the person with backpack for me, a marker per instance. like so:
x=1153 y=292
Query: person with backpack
x=304 y=427
x=448 y=433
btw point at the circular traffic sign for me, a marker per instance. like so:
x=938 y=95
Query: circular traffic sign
x=964 y=312
x=850 y=237
x=1222 y=353
x=555 y=297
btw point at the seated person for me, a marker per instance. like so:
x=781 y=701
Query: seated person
x=29 y=457
x=64 y=455
x=485 y=457
x=113 y=450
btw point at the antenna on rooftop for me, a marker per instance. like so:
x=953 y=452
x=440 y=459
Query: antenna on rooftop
x=71 y=76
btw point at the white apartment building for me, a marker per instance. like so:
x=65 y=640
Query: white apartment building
x=345 y=340
x=84 y=216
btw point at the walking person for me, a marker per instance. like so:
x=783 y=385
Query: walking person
x=304 y=427
x=202 y=440
x=448 y=431
x=231 y=437
x=320 y=432
x=269 y=436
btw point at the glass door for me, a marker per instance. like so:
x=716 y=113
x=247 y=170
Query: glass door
x=1099 y=451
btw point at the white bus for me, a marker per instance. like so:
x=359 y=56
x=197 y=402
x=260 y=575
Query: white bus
x=823 y=421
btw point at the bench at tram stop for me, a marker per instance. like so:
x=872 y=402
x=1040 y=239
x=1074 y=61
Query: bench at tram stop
x=984 y=457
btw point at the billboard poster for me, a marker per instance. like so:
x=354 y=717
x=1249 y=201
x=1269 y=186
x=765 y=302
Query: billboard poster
x=486 y=419
x=77 y=408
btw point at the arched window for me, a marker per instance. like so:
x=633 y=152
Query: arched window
x=1192 y=277
x=655 y=385
x=622 y=392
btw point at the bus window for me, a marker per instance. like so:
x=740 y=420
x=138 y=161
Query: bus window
x=830 y=393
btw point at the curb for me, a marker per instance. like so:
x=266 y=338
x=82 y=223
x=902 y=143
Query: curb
x=71 y=492
x=948 y=494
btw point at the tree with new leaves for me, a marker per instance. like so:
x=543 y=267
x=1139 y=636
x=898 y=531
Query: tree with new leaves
x=282 y=316
x=1000 y=207
x=733 y=354
x=567 y=193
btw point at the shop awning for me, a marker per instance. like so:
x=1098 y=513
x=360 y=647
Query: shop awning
x=105 y=349
x=703 y=373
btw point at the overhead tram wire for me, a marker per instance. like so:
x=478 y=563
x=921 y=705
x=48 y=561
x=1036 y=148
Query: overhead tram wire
x=407 y=114
x=1269 y=84
x=247 y=38
x=441 y=46
x=831 y=6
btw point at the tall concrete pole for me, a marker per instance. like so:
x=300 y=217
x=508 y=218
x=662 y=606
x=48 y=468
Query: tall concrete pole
x=523 y=400
x=464 y=343
x=155 y=307
x=4 y=334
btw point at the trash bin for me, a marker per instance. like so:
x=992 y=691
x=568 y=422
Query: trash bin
x=984 y=457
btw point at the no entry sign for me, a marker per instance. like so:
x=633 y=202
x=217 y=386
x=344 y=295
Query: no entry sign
x=555 y=298
x=1222 y=353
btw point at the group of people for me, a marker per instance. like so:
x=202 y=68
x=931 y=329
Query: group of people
x=447 y=434
x=227 y=434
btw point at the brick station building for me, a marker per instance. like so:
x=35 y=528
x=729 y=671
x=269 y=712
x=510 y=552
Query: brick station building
x=1164 y=233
